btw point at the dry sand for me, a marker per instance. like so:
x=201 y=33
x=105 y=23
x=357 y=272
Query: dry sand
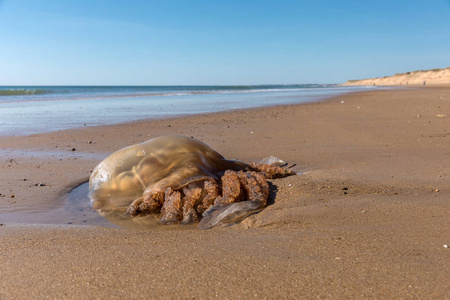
x=422 y=77
x=368 y=217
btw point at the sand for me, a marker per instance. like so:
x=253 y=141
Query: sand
x=422 y=77
x=368 y=217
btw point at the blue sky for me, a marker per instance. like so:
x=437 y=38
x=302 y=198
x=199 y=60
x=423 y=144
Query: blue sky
x=207 y=42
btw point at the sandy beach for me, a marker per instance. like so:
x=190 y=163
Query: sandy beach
x=368 y=216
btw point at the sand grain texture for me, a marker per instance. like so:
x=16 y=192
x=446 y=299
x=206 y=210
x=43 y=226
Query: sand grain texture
x=368 y=217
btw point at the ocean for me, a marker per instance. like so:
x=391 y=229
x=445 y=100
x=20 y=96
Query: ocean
x=27 y=110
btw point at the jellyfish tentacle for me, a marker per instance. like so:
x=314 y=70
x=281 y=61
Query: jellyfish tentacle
x=211 y=192
x=146 y=204
x=191 y=199
x=270 y=171
x=255 y=186
x=231 y=189
x=172 y=208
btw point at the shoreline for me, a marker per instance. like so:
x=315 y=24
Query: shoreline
x=367 y=217
x=36 y=115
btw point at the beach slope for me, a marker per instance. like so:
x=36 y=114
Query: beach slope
x=368 y=216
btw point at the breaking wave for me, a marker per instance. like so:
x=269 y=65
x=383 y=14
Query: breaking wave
x=20 y=92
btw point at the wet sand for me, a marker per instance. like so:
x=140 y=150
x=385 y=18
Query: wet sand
x=367 y=218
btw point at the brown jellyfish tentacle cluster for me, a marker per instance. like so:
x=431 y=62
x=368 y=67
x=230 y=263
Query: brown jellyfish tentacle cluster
x=181 y=179
x=190 y=202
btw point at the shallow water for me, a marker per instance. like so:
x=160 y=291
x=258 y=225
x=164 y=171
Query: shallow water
x=57 y=108
x=75 y=209
x=79 y=207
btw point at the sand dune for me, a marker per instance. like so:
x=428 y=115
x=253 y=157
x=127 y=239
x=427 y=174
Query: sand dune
x=421 y=77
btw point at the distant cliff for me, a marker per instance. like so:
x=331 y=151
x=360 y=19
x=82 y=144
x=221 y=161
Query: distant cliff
x=421 y=77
